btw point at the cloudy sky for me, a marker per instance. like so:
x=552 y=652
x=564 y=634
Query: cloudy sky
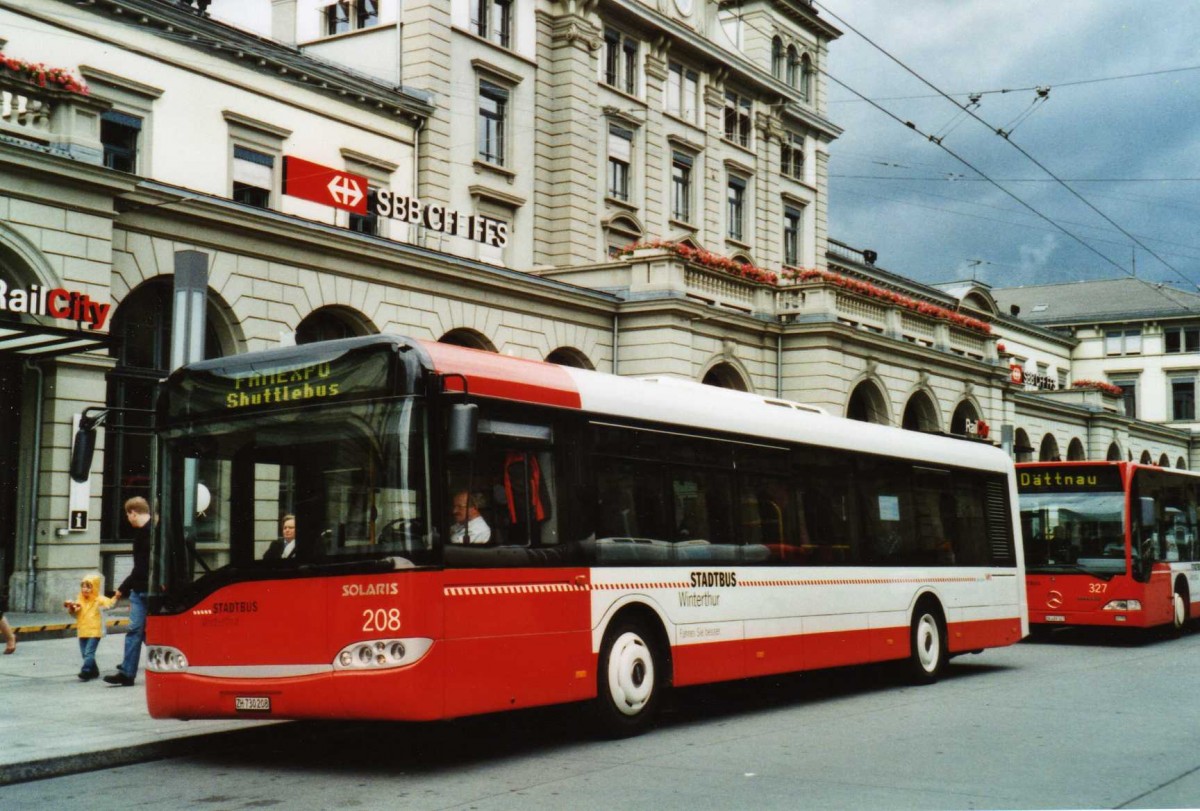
x=1127 y=142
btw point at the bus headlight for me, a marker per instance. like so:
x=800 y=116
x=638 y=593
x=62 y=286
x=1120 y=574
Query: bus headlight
x=1123 y=605
x=380 y=654
x=163 y=659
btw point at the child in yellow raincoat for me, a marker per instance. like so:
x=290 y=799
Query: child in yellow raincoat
x=87 y=609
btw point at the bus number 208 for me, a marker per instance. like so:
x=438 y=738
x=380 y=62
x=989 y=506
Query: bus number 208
x=381 y=619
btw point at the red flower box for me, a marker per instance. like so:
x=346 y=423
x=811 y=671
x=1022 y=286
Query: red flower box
x=42 y=75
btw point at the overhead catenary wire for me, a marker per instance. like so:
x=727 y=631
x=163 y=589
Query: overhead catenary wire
x=1016 y=146
x=983 y=175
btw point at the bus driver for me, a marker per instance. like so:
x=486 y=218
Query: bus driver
x=469 y=526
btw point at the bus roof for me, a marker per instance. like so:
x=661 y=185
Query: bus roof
x=694 y=405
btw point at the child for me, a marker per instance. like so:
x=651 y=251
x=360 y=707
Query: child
x=86 y=608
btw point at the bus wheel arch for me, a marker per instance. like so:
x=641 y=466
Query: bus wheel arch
x=929 y=640
x=633 y=671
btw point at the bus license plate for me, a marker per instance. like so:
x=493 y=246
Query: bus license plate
x=252 y=703
x=1055 y=618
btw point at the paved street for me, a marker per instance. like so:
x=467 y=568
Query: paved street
x=1079 y=722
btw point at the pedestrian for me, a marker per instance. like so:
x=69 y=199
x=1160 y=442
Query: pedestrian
x=10 y=638
x=137 y=512
x=88 y=610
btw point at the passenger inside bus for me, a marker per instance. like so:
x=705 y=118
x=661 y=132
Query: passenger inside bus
x=285 y=546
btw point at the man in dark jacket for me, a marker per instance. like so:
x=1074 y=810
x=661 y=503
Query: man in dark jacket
x=135 y=586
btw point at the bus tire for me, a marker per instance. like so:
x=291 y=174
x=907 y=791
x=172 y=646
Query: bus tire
x=629 y=679
x=928 y=649
x=1179 y=609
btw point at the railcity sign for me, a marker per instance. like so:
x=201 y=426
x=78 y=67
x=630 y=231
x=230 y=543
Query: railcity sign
x=56 y=302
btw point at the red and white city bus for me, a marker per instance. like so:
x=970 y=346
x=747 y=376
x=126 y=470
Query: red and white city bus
x=640 y=534
x=1110 y=544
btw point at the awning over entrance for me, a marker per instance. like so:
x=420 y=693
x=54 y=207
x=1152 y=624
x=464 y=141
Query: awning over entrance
x=28 y=341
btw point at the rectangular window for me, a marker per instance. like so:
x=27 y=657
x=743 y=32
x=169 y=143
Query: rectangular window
x=737 y=118
x=1123 y=342
x=493 y=109
x=620 y=61
x=253 y=177
x=119 y=136
x=492 y=20
x=681 y=187
x=620 y=158
x=368 y=223
x=792 y=219
x=791 y=156
x=337 y=18
x=629 y=52
x=349 y=15
x=1183 y=399
x=683 y=92
x=1129 y=395
x=736 y=208
x=1182 y=339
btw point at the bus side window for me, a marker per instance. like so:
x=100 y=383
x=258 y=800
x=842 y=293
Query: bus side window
x=824 y=483
x=525 y=495
x=765 y=516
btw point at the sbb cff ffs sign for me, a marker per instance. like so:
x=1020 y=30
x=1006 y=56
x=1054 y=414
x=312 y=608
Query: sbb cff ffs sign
x=320 y=184
x=350 y=192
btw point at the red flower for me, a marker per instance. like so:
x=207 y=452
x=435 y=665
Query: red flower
x=1098 y=385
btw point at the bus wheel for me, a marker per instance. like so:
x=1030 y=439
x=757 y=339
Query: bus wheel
x=928 y=652
x=629 y=680
x=1180 y=612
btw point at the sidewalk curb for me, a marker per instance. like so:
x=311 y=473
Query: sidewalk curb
x=34 y=633
x=64 y=765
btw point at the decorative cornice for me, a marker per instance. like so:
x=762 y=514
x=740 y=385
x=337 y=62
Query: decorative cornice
x=573 y=29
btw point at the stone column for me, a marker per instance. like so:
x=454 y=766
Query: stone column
x=565 y=155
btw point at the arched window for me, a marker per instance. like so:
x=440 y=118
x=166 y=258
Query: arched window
x=141 y=332
x=964 y=412
x=793 y=68
x=806 y=74
x=1181 y=463
x=867 y=404
x=1075 y=452
x=1114 y=453
x=329 y=324
x=567 y=356
x=1146 y=459
x=1022 y=448
x=1164 y=461
x=920 y=414
x=725 y=376
x=619 y=233
x=1049 y=450
x=468 y=338
x=777 y=58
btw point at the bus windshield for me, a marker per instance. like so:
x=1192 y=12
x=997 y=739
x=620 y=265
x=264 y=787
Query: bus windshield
x=1082 y=532
x=351 y=480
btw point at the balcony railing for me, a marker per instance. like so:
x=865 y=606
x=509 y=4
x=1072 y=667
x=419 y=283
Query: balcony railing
x=59 y=120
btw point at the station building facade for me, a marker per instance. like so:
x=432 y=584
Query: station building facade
x=634 y=187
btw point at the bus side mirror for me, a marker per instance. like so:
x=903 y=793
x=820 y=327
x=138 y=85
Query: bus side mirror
x=1148 y=516
x=462 y=429
x=82 y=450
